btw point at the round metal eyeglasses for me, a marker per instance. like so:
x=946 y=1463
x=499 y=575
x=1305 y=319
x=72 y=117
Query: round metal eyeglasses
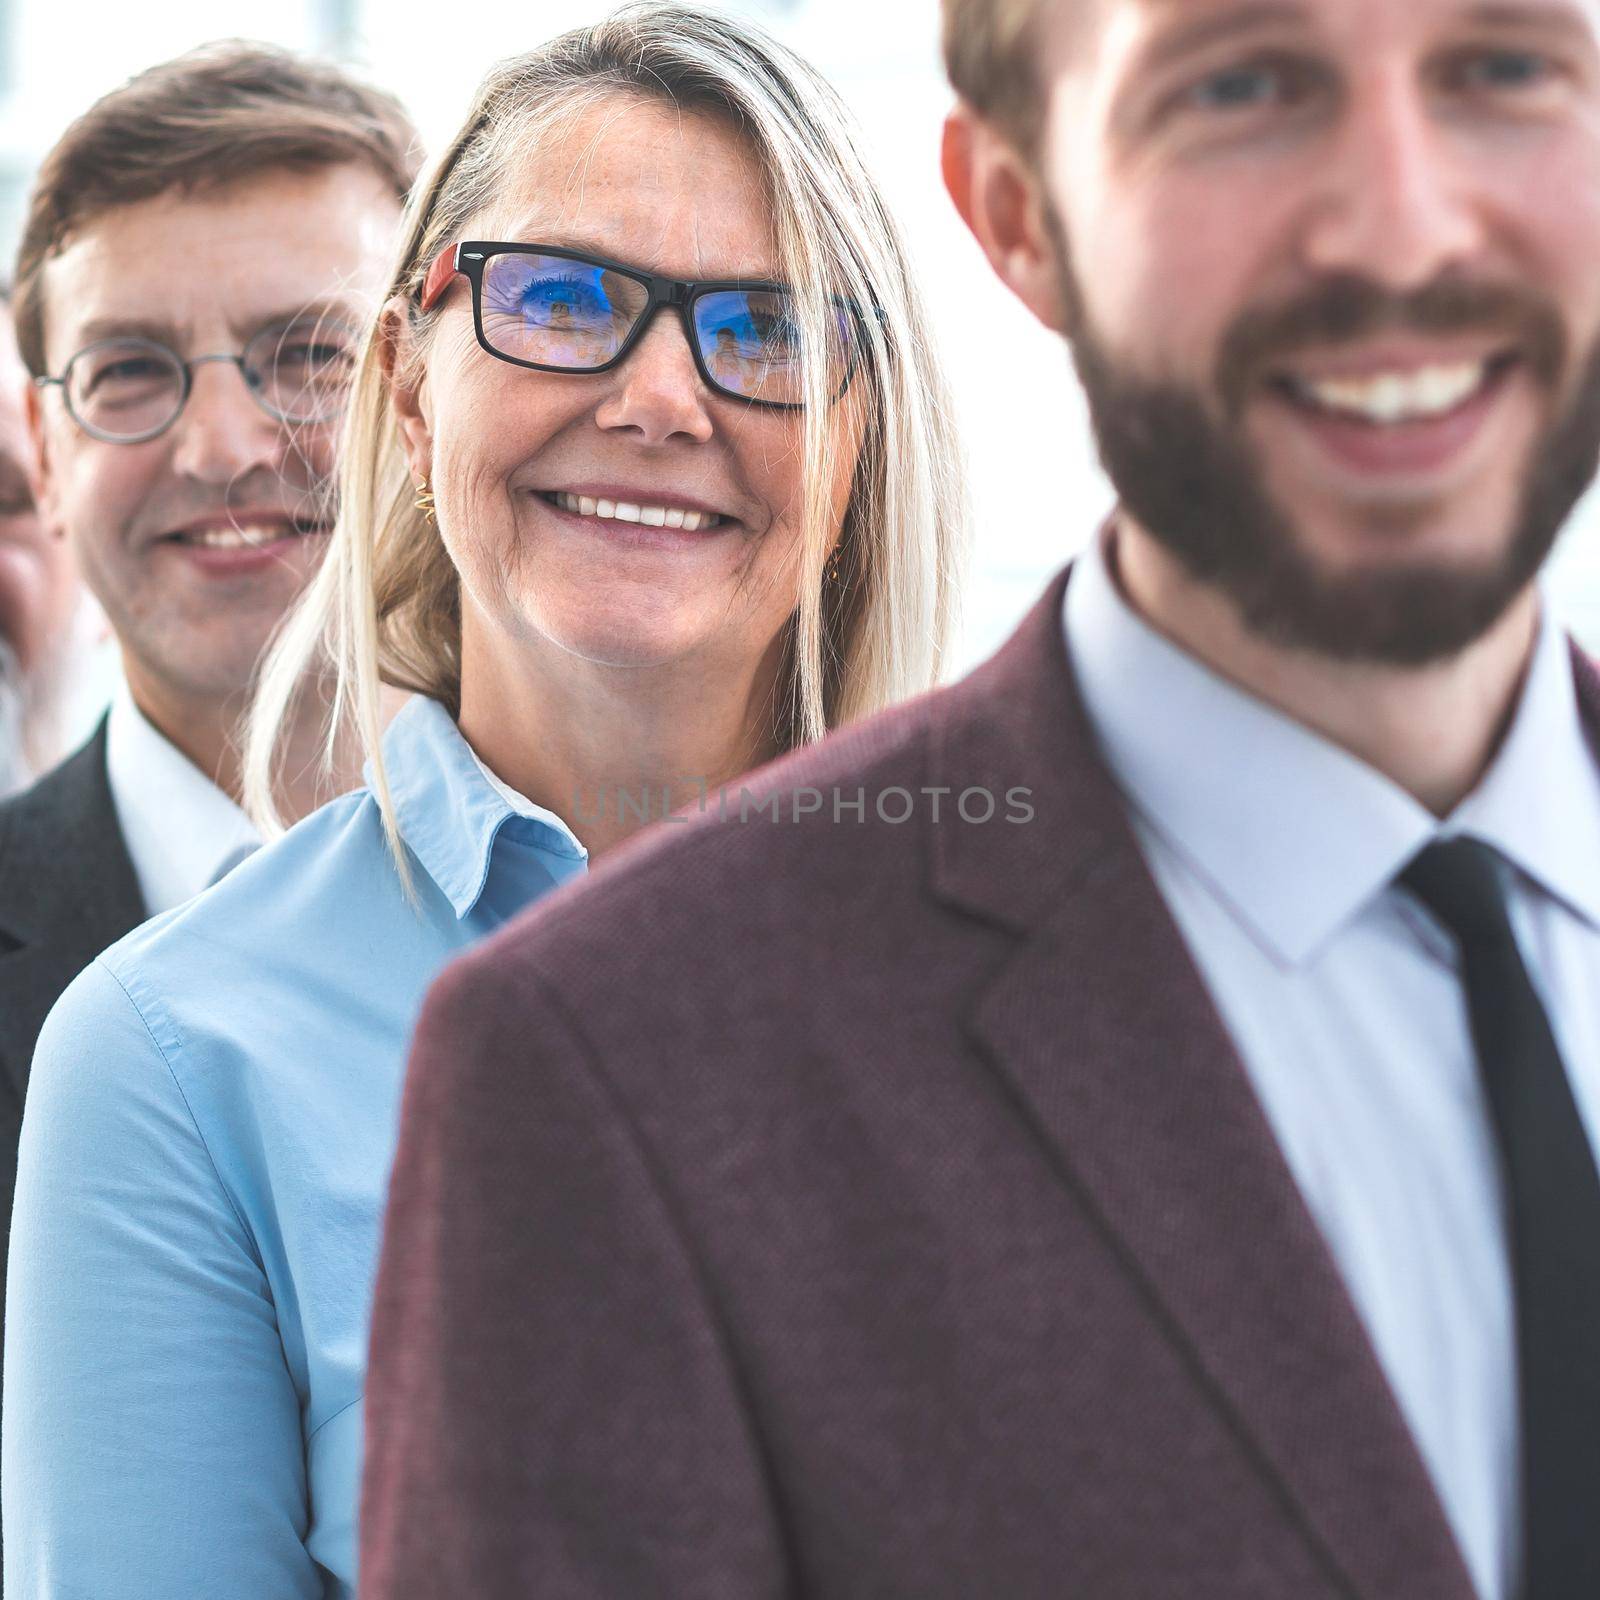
x=127 y=390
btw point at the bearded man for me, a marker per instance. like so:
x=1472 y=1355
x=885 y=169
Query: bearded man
x=1190 y=1192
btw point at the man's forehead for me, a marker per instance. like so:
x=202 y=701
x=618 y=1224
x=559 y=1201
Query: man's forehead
x=233 y=258
x=1151 y=14
x=1118 y=40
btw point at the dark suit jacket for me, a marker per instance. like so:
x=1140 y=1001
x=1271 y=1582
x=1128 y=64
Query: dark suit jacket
x=846 y=1210
x=67 y=890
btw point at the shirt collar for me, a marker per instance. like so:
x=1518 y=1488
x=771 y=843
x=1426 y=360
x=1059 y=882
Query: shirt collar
x=1539 y=804
x=451 y=810
x=182 y=832
x=1293 y=833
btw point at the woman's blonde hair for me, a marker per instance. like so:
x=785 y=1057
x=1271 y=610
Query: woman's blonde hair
x=385 y=608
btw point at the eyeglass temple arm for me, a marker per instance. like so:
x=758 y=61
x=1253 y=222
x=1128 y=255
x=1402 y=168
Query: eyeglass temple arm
x=439 y=275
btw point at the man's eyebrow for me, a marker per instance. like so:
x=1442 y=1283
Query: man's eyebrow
x=168 y=333
x=98 y=328
x=1548 y=18
x=1218 y=27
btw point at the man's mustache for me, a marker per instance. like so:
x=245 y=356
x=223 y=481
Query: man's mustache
x=1346 y=308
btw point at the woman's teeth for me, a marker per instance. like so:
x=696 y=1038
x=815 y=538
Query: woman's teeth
x=1388 y=398
x=626 y=511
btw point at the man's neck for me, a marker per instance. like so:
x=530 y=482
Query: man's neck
x=1432 y=730
x=209 y=731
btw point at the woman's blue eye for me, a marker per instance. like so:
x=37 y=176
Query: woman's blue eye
x=772 y=342
x=581 y=299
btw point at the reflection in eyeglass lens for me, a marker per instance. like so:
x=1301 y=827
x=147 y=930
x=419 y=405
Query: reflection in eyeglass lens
x=753 y=344
x=556 y=312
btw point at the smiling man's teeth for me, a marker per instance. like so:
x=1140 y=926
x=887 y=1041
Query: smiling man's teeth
x=249 y=538
x=626 y=511
x=1392 y=397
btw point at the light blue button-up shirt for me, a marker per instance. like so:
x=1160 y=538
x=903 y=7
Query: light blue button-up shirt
x=210 y=1124
x=1276 y=852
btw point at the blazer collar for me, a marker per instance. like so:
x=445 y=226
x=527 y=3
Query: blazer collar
x=67 y=891
x=1103 y=1026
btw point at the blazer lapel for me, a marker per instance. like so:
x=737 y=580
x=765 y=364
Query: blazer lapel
x=67 y=891
x=1102 y=1023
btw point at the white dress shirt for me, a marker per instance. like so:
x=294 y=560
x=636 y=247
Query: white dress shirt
x=1275 y=851
x=181 y=830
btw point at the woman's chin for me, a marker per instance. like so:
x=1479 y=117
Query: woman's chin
x=624 y=647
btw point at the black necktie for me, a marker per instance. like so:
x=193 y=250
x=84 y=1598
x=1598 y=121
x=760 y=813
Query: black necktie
x=1553 y=1192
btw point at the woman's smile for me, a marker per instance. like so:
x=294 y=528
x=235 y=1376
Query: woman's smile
x=641 y=518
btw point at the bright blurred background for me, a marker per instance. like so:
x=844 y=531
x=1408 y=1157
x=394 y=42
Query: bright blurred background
x=1037 y=490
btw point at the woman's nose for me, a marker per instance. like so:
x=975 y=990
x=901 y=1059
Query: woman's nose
x=657 y=392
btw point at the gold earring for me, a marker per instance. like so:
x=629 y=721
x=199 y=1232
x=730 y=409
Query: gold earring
x=832 y=575
x=424 y=500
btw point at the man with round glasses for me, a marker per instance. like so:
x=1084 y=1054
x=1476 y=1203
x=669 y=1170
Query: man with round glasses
x=198 y=250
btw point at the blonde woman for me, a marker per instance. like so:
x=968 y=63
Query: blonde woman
x=615 y=566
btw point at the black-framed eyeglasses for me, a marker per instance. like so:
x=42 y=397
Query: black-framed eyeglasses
x=558 y=310
x=128 y=390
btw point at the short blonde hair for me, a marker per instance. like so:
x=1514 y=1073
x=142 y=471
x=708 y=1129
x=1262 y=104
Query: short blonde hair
x=385 y=606
x=989 y=50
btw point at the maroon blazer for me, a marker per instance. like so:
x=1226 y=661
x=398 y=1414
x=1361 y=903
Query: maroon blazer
x=850 y=1209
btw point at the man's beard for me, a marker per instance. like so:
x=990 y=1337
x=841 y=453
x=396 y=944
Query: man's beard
x=1186 y=473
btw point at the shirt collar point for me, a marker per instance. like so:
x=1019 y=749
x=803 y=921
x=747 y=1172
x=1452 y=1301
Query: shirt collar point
x=450 y=809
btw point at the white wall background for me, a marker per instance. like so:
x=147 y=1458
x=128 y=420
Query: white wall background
x=1037 y=490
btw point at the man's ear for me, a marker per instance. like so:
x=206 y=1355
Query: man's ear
x=1002 y=201
x=38 y=466
x=405 y=390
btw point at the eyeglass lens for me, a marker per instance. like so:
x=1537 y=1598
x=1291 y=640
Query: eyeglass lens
x=133 y=388
x=557 y=312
